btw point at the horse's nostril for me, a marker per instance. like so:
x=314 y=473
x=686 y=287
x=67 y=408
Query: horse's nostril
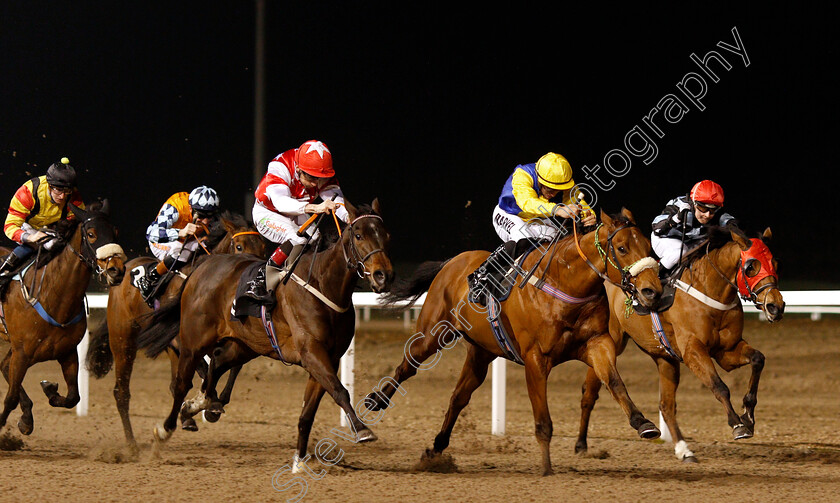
x=379 y=275
x=649 y=293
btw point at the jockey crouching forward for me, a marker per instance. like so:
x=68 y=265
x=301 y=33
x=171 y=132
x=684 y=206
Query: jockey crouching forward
x=532 y=194
x=182 y=216
x=684 y=223
x=283 y=200
x=38 y=203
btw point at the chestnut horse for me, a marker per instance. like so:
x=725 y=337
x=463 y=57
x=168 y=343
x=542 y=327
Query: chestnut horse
x=115 y=342
x=545 y=331
x=308 y=331
x=45 y=310
x=701 y=330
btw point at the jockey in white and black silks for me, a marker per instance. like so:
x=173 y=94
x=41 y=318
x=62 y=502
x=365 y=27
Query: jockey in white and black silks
x=182 y=215
x=531 y=195
x=283 y=200
x=37 y=204
x=684 y=223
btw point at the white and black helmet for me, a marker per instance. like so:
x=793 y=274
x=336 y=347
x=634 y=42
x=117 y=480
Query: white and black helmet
x=204 y=199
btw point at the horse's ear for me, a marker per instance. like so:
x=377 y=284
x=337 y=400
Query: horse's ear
x=351 y=210
x=629 y=214
x=78 y=212
x=742 y=241
x=606 y=220
x=106 y=207
x=767 y=235
x=375 y=206
x=229 y=226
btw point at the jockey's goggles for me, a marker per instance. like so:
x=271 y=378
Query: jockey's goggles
x=706 y=208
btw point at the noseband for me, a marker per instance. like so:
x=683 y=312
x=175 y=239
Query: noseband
x=90 y=256
x=354 y=259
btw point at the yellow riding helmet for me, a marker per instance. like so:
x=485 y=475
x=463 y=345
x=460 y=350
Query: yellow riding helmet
x=555 y=172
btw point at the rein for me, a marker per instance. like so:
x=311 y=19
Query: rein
x=740 y=268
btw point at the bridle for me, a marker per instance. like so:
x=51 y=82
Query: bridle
x=742 y=285
x=89 y=255
x=232 y=246
x=355 y=260
x=609 y=257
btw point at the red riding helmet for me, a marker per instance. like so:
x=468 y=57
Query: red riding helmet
x=707 y=192
x=314 y=158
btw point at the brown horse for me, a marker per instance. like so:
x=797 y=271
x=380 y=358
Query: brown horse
x=699 y=331
x=115 y=342
x=309 y=332
x=545 y=331
x=45 y=311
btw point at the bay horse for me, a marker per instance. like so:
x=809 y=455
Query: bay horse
x=545 y=331
x=115 y=342
x=45 y=308
x=700 y=330
x=308 y=332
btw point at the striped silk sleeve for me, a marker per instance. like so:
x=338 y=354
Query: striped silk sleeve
x=19 y=208
x=161 y=231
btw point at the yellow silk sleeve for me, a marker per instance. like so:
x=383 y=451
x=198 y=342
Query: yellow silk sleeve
x=532 y=204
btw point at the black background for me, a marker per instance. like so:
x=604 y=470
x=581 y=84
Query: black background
x=429 y=108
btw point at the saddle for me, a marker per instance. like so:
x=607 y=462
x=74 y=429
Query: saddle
x=498 y=274
x=244 y=306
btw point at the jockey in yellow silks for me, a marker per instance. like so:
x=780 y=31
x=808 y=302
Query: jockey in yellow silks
x=535 y=192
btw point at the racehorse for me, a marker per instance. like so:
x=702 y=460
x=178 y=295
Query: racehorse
x=115 y=342
x=705 y=322
x=545 y=331
x=310 y=325
x=45 y=311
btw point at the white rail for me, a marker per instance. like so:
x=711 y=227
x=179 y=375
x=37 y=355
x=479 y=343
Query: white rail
x=815 y=302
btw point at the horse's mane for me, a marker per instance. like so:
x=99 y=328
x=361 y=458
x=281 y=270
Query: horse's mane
x=717 y=237
x=64 y=228
x=329 y=234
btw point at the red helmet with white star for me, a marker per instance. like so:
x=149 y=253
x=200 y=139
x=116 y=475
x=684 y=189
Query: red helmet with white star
x=314 y=158
x=707 y=192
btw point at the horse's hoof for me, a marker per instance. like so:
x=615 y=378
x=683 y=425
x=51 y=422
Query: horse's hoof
x=648 y=431
x=161 y=434
x=748 y=420
x=376 y=401
x=581 y=448
x=215 y=408
x=50 y=388
x=741 y=432
x=189 y=424
x=211 y=417
x=547 y=471
x=26 y=427
x=690 y=459
x=365 y=436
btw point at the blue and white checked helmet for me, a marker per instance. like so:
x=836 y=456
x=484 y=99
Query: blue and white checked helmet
x=204 y=199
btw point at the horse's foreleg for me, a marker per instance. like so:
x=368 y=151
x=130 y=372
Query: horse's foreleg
x=181 y=384
x=669 y=380
x=26 y=423
x=224 y=397
x=537 y=367
x=316 y=361
x=589 y=391
x=738 y=357
x=472 y=376
x=311 y=399
x=124 y=351
x=70 y=371
x=600 y=356
x=697 y=358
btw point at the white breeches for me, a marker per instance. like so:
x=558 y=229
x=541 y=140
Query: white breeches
x=668 y=250
x=513 y=228
x=175 y=249
x=279 y=228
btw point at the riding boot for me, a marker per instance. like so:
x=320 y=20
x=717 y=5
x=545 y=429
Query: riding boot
x=151 y=284
x=8 y=267
x=262 y=287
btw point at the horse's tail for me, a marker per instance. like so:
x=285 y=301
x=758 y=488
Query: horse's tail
x=99 y=359
x=162 y=327
x=412 y=288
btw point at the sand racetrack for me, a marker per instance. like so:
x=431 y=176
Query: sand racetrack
x=794 y=456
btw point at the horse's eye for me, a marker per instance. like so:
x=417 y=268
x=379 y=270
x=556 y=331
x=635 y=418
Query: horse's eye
x=622 y=250
x=238 y=247
x=359 y=237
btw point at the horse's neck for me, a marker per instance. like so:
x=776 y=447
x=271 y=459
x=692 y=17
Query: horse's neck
x=65 y=280
x=335 y=279
x=715 y=272
x=567 y=271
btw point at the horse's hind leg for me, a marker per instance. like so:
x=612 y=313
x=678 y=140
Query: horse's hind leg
x=472 y=376
x=26 y=423
x=738 y=357
x=589 y=391
x=600 y=356
x=124 y=350
x=669 y=380
x=697 y=358
x=70 y=371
